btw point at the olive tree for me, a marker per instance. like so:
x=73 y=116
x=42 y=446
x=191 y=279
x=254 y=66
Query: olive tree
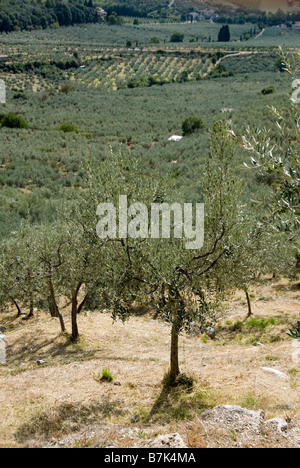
x=276 y=151
x=181 y=280
x=20 y=277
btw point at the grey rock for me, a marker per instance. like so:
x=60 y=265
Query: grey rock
x=240 y=419
x=211 y=332
x=2 y=329
x=276 y=372
x=257 y=343
x=41 y=362
x=2 y=352
x=168 y=441
x=277 y=423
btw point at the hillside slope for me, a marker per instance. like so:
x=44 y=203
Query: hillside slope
x=63 y=401
x=24 y=14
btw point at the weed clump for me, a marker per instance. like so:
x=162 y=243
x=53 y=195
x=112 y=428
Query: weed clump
x=106 y=375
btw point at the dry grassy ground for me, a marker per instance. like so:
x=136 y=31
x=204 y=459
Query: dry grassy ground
x=64 y=402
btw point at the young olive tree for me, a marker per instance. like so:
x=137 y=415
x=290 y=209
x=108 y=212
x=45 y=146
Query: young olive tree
x=21 y=279
x=69 y=258
x=148 y=263
x=276 y=151
x=82 y=275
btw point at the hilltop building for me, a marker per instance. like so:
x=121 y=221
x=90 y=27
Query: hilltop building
x=101 y=13
x=203 y=15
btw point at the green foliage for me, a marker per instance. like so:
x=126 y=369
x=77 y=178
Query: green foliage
x=20 y=95
x=106 y=375
x=191 y=124
x=14 y=121
x=184 y=381
x=237 y=326
x=24 y=14
x=115 y=20
x=42 y=179
x=154 y=40
x=65 y=88
x=269 y=90
x=68 y=128
x=274 y=155
x=224 y=34
x=262 y=323
x=294 y=332
x=177 y=37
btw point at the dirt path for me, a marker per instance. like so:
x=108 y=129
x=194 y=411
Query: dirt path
x=260 y=34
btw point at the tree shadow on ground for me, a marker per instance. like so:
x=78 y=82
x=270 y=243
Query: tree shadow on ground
x=33 y=347
x=68 y=418
x=179 y=402
x=287 y=287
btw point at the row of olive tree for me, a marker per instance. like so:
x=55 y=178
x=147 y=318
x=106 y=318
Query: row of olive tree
x=68 y=259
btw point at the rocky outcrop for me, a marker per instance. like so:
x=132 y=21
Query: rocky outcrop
x=234 y=426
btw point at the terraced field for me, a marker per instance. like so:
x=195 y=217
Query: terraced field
x=119 y=71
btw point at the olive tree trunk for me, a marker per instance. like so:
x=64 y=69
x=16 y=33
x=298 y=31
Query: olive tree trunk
x=56 y=310
x=249 y=305
x=174 y=361
x=76 y=309
x=18 y=308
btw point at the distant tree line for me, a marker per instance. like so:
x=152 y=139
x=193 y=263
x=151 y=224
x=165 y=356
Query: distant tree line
x=18 y=15
x=242 y=16
x=38 y=66
x=127 y=8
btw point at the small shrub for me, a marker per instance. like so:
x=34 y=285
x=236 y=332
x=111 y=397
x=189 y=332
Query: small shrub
x=68 y=128
x=177 y=37
x=268 y=91
x=154 y=40
x=14 y=121
x=237 y=326
x=65 y=88
x=191 y=124
x=20 y=95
